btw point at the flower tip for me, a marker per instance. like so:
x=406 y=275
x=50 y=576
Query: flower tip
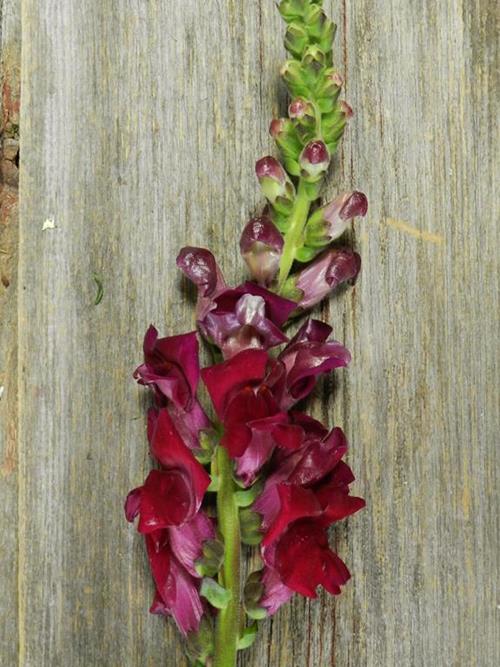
x=276 y=127
x=299 y=108
x=260 y=230
x=199 y=265
x=355 y=206
x=269 y=167
x=337 y=79
x=316 y=153
x=346 y=109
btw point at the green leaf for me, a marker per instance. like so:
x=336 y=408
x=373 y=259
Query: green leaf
x=217 y=595
x=248 y=637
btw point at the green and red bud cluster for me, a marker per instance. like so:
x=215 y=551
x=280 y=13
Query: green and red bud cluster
x=307 y=139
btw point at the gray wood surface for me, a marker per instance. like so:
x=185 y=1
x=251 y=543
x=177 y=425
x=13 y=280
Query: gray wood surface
x=141 y=121
x=10 y=57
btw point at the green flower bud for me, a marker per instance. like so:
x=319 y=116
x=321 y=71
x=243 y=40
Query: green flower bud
x=200 y=645
x=293 y=76
x=250 y=525
x=296 y=39
x=319 y=27
x=292 y=10
x=213 y=554
x=284 y=133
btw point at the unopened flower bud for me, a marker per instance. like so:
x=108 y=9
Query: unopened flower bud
x=291 y=10
x=284 y=133
x=293 y=76
x=346 y=109
x=333 y=123
x=314 y=59
x=330 y=221
x=300 y=109
x=261 y=245
x=324 y=274
x=275 y=182
x=319 y=27
x=296 y=39
x=314 y=161
x=329 y=90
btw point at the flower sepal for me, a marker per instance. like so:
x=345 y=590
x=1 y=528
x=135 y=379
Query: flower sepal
x=252 y=594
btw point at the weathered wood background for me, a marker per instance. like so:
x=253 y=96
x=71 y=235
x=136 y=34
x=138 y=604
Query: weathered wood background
x=140 y=124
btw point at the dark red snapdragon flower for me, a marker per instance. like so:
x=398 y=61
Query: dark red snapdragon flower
x=171 y=368
x=234 y=319
x=175 y=528
x=306 y=492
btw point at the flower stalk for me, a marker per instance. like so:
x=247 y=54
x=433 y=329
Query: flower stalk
x=296 y=223
x=228 y=625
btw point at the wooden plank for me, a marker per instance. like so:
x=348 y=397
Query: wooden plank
x=10 y=53
x=141 y=122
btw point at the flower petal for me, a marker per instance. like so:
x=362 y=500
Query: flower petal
x=223 y=380
x=304 y=560
x=170 y=450
x=186 y=541
x=166 y=499
x=296 y=502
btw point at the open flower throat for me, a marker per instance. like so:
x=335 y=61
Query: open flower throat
x=252 y=470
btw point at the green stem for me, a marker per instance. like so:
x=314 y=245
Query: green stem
x=228 y=620
x=298 y=219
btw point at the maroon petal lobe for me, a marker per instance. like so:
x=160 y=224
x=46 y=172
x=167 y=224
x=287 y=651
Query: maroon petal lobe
x=133 y=504
x=199 y=265
x=171 y=365
x=355 y=204
x=166 y=499
x=313 y=331
x=170 y=450
x=333 y=495
x=296 y=503
x=223 y=380
x=304 y=560
x=305 y=361
x=278 y=309
x=319 y=458
x=345 y=265
x=177 y=591
x=186 y=541
x=257 y=452
x=276 y=593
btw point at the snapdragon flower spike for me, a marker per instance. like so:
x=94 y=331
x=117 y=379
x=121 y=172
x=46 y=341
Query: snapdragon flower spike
x=275 y=183
x=263 y=473
x=329 y=270
x=329 y=222
x=261 y=245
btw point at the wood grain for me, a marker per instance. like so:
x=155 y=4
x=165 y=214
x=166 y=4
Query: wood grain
x=141 y=121
x=10 y=53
